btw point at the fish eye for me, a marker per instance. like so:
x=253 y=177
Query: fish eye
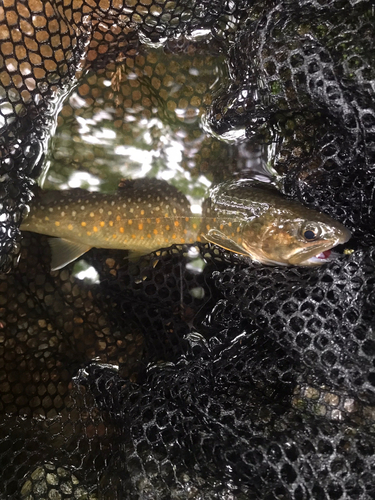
x=311 y=234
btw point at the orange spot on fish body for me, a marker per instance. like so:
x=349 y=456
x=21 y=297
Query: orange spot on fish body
x=176 y=223
x=88 y=233
x=102 y=223
x=208 y=227
x=155 y=231
x=118 y=218
x=221 y=227
x=198 y=238
x=148 y=221
x=95 y=229
x=110 y=223
x=57 y=223
x=167 y=228
x=173 y=236
x=92 y=214
x=157 y=220
x=142 y=212
x=83 y=224
x=122 y=229
x=187 y=219
x=70 y=227
x=133 y=236
x=114 y=236
x=149 y=236
x=194 y=226
x=130 y=222
x=140 y=227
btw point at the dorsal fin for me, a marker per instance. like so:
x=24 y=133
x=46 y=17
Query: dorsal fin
x=149 y=183
x=126 y=184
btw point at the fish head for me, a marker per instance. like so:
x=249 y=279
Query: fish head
x=286 y=238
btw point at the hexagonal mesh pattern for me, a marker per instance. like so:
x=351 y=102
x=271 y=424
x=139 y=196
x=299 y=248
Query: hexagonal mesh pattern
x=161 y=381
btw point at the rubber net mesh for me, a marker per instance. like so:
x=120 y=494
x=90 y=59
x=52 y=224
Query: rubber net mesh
x=160 y=382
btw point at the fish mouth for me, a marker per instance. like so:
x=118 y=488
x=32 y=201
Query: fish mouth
x=319 y=259
x=314 y=256
x=311 y=256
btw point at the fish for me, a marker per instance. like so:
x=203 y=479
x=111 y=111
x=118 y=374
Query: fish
x=247 y=217
x=253 y=218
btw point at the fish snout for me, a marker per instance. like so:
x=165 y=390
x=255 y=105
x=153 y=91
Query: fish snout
x=344 y=235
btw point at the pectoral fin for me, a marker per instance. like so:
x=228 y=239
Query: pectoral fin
x=218 y=238
x=65 y=251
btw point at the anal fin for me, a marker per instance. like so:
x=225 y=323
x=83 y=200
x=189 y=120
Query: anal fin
x=65 y=251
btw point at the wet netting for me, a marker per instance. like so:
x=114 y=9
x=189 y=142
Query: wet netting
x=192 y=373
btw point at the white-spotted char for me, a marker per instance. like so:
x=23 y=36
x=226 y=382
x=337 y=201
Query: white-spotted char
x=245 y=217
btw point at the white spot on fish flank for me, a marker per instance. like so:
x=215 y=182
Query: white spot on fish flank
x=131 y=210
x=149 y=205
x=83 y=207
x=112 y=203
x=62 y=214
x=100 y=210
x=124 y=205
x=158 y=198
x=50 y=209
x=109 y=212
x=74 y=213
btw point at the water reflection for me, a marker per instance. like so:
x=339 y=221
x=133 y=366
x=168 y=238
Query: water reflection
x=142 y=118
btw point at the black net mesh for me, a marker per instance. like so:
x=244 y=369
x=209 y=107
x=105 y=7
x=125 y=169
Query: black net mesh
x=191 y=373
